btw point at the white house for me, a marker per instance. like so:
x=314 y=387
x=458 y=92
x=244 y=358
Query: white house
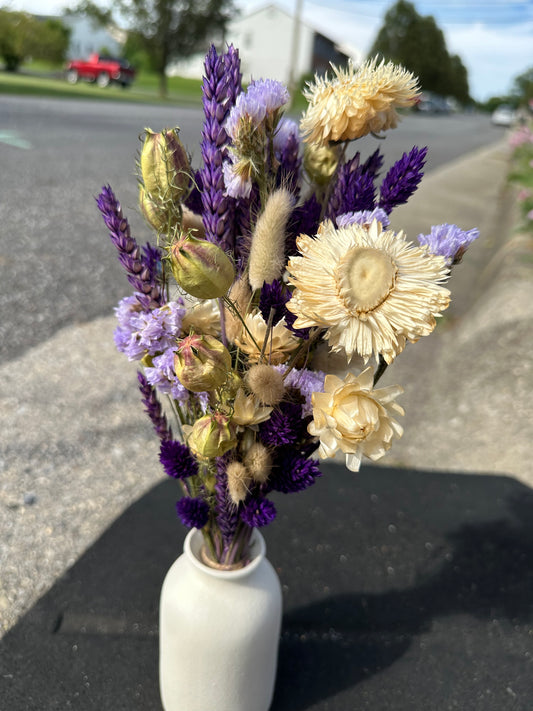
x=270 y=42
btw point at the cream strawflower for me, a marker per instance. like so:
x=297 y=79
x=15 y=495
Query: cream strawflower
x=356 y=102
x=202 y=317
x=281 y=341
x=248 y=411
x=349 y=415
x=371 y=289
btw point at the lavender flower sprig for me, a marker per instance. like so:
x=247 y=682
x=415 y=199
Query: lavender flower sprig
x=220 y=89
x=354 y=189
x=402 y=179
x=153 y=409
x=141 y=266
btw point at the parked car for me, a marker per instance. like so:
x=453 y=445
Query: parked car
x=100 y=69
x=430 y=103
x=504 y=115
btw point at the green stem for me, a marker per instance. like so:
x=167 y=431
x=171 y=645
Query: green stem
x=303 y=345
x=382 y=367
x=232 y=306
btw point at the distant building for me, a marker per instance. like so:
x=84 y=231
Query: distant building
x=87 y=36
x=265 y=39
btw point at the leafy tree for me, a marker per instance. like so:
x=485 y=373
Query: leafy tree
x=160 y=31
x=23 y=35
x=417 y=43
x=522 y=88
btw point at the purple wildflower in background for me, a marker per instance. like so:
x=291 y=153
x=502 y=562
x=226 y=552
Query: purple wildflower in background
x=363 y=217
x=307 y=382
x=177 y=460
x=193 y=513
x=141 y=266
x=153 y=409
x=284 y=425
x=293 y=472
x=258 y=513
x=220 y=88
x=402 y=179
x=449 y=241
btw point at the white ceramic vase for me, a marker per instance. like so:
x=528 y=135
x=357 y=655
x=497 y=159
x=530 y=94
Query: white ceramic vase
x=219 y=632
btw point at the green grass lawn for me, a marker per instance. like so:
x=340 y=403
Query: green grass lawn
x=39 y=79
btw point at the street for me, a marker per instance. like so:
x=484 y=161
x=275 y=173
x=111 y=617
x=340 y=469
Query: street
x=57 y=264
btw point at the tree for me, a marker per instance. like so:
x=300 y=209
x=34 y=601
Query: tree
x=417 y=43
x=22 y=35
x=163 y=30
x=523 y=87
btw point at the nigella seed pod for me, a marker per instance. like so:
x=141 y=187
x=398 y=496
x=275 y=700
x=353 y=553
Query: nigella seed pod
x=212 y=436
x=153 y=212
x=201 y=268
x=202 y=363
x=165 y=166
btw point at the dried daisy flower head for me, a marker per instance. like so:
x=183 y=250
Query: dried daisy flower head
x=356 y=102
x=352 y=417
x=370 y=288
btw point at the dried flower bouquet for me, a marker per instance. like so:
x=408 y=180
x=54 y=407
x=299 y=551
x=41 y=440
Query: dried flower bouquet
x=276 y=249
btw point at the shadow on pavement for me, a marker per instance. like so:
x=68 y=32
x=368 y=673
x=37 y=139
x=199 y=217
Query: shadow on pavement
x=403 y=590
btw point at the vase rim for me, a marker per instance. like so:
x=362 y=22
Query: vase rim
x=194 y=542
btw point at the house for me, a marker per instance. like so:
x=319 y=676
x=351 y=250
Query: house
x=86 y=36
x=271 y=42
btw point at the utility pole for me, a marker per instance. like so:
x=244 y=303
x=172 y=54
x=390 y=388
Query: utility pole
x=295 y=47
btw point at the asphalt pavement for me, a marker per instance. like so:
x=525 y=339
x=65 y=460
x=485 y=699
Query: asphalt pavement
x=79 y=456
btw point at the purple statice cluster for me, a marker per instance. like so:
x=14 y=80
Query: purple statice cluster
x=255 y=107
x=250 y=125
x=141 y=332
x=449 y=241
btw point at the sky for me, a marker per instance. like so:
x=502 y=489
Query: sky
x=494 y=38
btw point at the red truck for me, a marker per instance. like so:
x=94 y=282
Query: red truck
x=100 y=69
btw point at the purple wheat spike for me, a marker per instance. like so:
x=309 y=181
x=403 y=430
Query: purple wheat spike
x=226 y=512
x=222 y=83
x=402 y=179
x=141 y=267
x=153 y=409
x=373 y=163
x=354 y=189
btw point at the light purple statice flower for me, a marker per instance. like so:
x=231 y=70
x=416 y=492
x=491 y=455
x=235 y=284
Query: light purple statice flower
x=449 y=241
x=237 y=186
x=141 y=332
x=307 y=382
x=161 y=376
x=363 y=217
x=286 y=131
x=260 y=101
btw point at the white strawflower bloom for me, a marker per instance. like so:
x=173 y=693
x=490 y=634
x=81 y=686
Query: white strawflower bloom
x=370 y=288
x=352 y=417
x=356 y=102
